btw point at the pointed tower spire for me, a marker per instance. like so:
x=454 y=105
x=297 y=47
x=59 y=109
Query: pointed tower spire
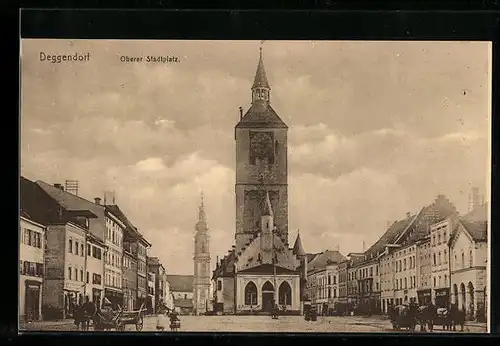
x=298 y=249
x=201 y=225
x=260 y=88
x=268 y=209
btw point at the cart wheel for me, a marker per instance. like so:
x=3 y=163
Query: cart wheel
x=139 y=324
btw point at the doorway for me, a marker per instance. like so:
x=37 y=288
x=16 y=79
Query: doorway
x=267 y=297
x=32 y=307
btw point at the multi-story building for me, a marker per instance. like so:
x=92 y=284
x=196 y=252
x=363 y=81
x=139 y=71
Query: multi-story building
x=94 y=287
x=129 y=265
x=68 y=219
x=405 y=274
x=369 y=284
x=151 y=302
x=31 y=255
x=469 y=256
x=354 y=260
x=424 y=270
x=113 y=279
x=440 y=234
x=323 y=280
x=155 y=266
x=141 y=252
x=343 y=270
x=129 y=272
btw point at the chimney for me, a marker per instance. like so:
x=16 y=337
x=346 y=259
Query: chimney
x=241 y=113
x=59 y=186
x=97 y=200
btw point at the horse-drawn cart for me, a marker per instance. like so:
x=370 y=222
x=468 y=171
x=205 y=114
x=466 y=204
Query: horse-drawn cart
x=119 y=319
x=403 y=317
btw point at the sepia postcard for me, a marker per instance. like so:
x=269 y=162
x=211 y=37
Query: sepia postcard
x=255 y=186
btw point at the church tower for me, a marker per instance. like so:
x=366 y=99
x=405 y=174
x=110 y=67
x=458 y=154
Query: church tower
x=261 y=165
x=201 y=283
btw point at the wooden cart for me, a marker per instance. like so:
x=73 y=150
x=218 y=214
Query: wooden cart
x=131 y=317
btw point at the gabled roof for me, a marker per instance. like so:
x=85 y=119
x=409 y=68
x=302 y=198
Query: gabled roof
x=266 y=269
x=261 y=115
x=394 y=231
x=477 y=230
x=71 y=202
x=180 y=283
x=325 y=258
x=297 y=247
x=130 y=228
x=35 y=204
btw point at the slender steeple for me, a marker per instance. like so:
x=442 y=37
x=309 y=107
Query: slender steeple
x=201 y=225
x=261 y=91
x=267 y=208
x=298 y=250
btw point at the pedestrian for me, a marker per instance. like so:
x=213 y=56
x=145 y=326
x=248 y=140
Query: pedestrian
x=161 y=320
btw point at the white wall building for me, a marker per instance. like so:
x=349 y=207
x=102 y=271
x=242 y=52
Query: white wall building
x=31 y=255
x=440 y=234
x=94 y=280
x=113 y=275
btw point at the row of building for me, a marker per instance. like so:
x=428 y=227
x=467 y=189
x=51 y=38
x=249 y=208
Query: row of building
x=72 y=248
x=434 y=255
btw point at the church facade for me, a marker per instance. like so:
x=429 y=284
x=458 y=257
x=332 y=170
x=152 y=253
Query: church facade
x=261 y=270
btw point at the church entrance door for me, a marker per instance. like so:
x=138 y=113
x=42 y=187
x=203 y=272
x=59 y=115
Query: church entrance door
x=267 y=297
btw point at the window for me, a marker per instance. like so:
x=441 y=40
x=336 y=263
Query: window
x=439 y=238
x=76 y=274
x=434 y=281
x=81 y=275
x=89 y=251
x=446 y=280
x=87 y=277
x=69 y=273
x=434 y=259
x=82 y=253
x=470 y=258
x=334 y=280
x=404 y=264
x=433 y=239
x=70 y=246
x=463 y=260
x=444 y=236
x=76 y=248
x=185 y=296
x=439 y=258
x=445 y=257
x=406 y=283
x=219 y=285
x=371 y=271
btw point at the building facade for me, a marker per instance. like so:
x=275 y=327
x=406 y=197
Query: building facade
x=94 y=277
x=265 y=270
x=141 y=252
x=161 y=288
x=129 y=270
x=32 y=259
x=181 y=288
x=323 y=280
x=201 y=259
x=424 y=271
x=369 y=285
x=469 y=281
x=440 y=234
x=343 y=272
x=113 y=276
x=151 y=301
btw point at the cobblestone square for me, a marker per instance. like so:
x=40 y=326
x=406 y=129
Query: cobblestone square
x=285 y=324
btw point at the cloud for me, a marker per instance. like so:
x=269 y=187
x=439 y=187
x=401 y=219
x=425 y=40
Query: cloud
x=376 y=129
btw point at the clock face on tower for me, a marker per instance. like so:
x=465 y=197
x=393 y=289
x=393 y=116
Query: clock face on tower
x=261 y=146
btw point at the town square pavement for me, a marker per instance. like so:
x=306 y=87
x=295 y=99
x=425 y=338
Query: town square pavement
x=287 y=324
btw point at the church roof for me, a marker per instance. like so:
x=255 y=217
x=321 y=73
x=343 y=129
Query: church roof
x=261 y=115
x=260 y=80
x=297 y=247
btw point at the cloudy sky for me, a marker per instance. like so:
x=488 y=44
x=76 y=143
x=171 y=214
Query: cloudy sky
x=377 y=129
